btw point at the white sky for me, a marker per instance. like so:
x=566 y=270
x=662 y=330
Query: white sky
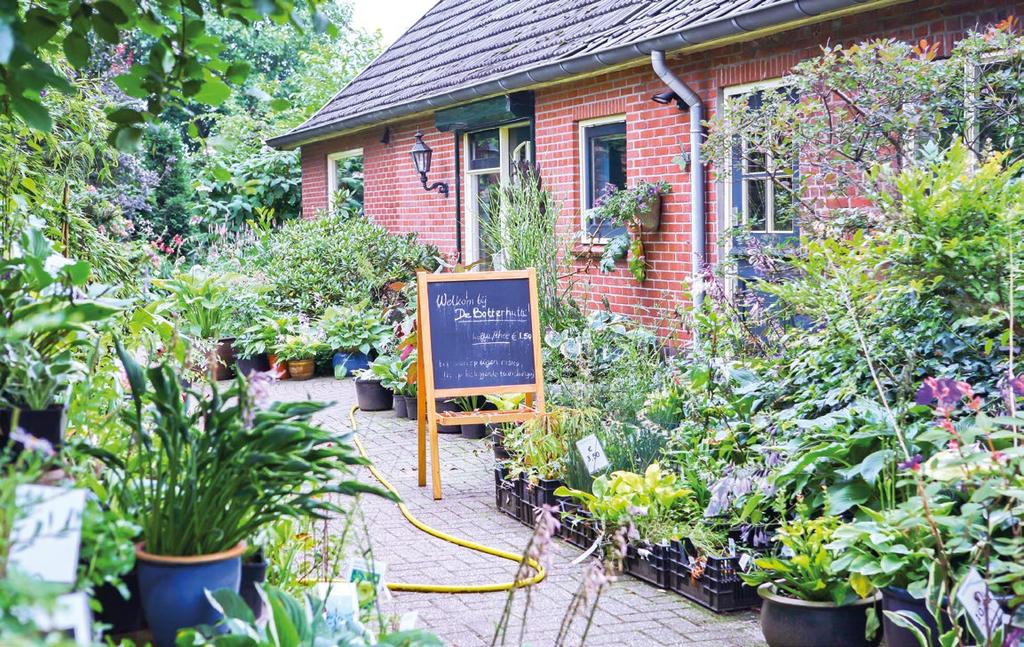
x=392 y=17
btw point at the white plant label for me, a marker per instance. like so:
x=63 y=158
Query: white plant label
x=592 y=453
x=980 y=604
x=69 y=615
x=45 y=539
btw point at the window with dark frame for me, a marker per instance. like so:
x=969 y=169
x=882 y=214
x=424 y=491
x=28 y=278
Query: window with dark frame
x=604 y=164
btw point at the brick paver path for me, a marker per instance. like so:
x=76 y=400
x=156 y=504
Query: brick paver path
x=630 y=613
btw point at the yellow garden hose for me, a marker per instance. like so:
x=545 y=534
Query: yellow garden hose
x=539 y=572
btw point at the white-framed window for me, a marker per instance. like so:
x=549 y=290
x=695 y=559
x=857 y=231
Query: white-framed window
x=993 y=107
x=602 y=145
x=759 y=197
x=489 y=156
x=345 y=168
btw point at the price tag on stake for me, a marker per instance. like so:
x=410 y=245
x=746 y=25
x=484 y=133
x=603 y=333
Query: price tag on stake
x=594 y=458
x=980 y=604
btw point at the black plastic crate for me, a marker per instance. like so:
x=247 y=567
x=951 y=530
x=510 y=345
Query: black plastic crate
x=711 y=582
x=578 y=528
x=506 y=493
x=754 y=537
x=537 y=493
x=648 y=562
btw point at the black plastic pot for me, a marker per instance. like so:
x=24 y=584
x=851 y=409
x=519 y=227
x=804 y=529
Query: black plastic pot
x=897 y=599
x=399 y=406
x=498 y=443
x=788 y=622
x=46 y=424
x=474 y=432
x=444 y=405
x=372 y=396
x=411 y=407
x=222 y=359
x=122 y=615
x=254 y=571
x=255 y=364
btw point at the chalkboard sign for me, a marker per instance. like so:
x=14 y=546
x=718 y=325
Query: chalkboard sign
x=477 y=333
x=481 y=333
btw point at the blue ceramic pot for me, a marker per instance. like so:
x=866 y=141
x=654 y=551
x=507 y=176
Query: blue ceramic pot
x=350 y=362
x=173 y=589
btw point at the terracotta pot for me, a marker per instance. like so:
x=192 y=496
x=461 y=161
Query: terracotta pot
x=278 y=367
x=301 y=369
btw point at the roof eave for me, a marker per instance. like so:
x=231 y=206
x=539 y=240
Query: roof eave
x=772 y=17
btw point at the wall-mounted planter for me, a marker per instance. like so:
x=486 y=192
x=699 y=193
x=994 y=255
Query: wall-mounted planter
x=650 y=220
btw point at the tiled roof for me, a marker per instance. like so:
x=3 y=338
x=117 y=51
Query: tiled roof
x=458 y=44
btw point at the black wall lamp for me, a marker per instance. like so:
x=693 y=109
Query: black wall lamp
x=667 y=97
x=421 y=154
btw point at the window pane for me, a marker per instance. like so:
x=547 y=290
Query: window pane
x=484 y=184
x=756 y=204
x=517 y=137
x=484 y=149
x=756 y=162
x=607 y=164
x=783 y=206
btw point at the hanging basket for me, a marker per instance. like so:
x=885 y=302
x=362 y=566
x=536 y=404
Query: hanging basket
x=650 y=220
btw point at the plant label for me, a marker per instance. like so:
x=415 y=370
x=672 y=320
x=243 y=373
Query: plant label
x=979 y=603
x=46 y=537
x=360 y=570
x=341 y=604
x=69 y=615
x=592 y=453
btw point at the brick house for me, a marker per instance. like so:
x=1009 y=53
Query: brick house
x=569 y=84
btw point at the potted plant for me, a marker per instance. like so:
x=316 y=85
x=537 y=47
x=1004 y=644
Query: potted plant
x=353 y=333
x=193 y=486
x=636 y=209
x=473 y=431
x=371 y=394
x=383 y=381
x=46 y=316
x=254 y=573
x=300 y=351
x=200 y=298
x=807 y=601
x=506 y=402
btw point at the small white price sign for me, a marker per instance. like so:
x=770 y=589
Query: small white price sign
x=981 y=606
x=592 y=453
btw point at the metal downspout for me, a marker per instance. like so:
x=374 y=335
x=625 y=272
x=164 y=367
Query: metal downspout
x=697 y=187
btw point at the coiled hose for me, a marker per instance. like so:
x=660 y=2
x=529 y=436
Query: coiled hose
x=539 y=572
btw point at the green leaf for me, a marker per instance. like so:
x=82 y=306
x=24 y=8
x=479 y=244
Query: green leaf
x=212 y=92
x=126 y=138
x=238 y=72
x=33 y=112
x=131 y=82
x=231 y=605
x=872 y=466
x=844 y=496
x=76 y=48
x=125 y=116
x=280 y=104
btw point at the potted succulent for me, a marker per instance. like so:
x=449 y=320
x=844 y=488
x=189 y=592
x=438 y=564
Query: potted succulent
x=354 y=333
x=192 y=487
x=636 y=209
x=300 y=351
x=807 y=601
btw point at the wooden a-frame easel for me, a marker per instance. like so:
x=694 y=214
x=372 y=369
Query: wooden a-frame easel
x=427 y=415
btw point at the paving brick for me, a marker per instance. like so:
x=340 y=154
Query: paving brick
x=630 y=613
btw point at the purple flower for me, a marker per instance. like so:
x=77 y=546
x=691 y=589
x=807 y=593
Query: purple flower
x=913 y=463
x=943 y=390
x=32 y=443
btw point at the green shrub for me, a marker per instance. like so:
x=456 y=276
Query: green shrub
x=334 y=260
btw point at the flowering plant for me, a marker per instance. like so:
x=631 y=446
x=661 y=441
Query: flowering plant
x=305 y=344
x=626 y=208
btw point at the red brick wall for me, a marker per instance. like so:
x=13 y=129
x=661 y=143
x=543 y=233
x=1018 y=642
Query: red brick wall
x=655 y=134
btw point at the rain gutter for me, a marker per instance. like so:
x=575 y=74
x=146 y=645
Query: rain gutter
x=697 y=186
x=774 y=16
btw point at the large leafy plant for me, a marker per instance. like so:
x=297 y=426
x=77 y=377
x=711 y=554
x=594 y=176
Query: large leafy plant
x=807 y=573
x=208 y=469
x=199 y=296
x=648 y=500
x=355 y=328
